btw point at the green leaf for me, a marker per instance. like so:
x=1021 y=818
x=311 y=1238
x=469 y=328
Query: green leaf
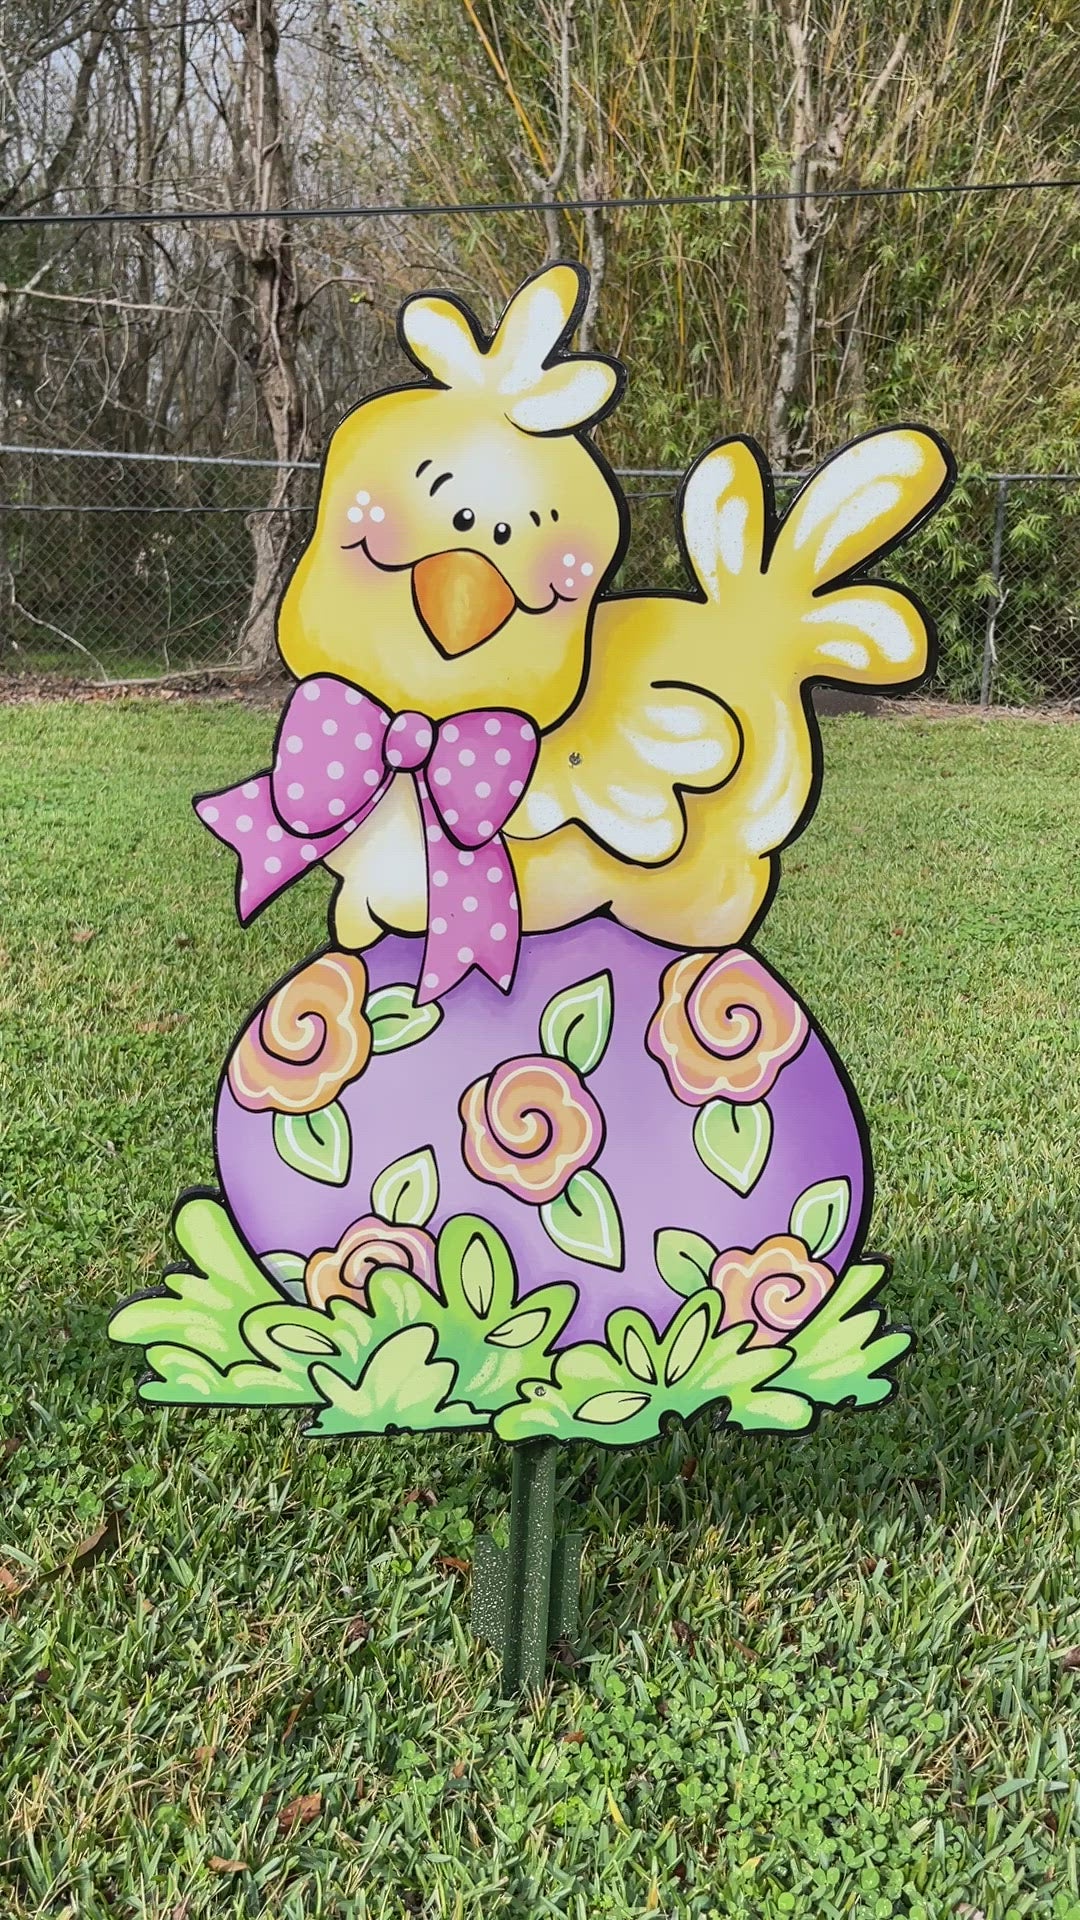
x=478 y=1277
x=687 y=1345
x=820 y=1215
x=407 y=1192
x=403 y=1388
x=608 y=1409
x=584 y=1221
x=576 y=1024
x=288 y=1268
x=301 y=1340
x=684 y=1259
x=733 y=1141
x=396 y=1020
x=318 y=1145
x=520 y=1330
x=637 y=1356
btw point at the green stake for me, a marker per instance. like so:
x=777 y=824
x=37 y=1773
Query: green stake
x=525 y=1595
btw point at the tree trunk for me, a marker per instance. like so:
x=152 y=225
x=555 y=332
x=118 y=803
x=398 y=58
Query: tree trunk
x=277 y=308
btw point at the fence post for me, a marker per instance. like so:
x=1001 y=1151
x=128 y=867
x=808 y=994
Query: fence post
x=992 y=611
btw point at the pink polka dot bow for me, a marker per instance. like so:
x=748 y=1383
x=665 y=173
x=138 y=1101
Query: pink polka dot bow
x=337 y=753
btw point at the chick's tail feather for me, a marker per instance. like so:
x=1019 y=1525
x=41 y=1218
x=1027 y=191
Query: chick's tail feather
x=792 y=598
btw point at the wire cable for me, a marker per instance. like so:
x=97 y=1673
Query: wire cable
x=738 y=196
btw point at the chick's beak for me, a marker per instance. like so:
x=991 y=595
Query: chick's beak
x=461 y=598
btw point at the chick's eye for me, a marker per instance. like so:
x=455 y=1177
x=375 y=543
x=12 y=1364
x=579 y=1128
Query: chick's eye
x=502 y=533
x=464 y=518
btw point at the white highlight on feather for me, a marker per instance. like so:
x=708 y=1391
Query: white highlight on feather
x=856 y=515
x=543 y=811
x=859 y=471
x=670 y=756
x=848 y=651
x=684 y=722
x=642 y=806
x=883 y=626
x=731 y=534
x=781 y=789
x=643 y=841
x=441 y=339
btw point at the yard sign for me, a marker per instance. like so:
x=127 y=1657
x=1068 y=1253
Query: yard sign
x=539 y=1143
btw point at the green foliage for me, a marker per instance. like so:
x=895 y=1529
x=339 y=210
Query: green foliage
x=223 y=1335
x=408 y=1191
x=576 y=1024
x=318 y=1145
x=820 y=1215
x=396 y=1020
x=630 y=1388
x=733 y=1141
x=684 y=1259
x=583 y=1220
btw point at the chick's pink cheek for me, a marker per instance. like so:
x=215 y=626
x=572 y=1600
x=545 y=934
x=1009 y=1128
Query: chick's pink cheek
x=369 y=516
x=570 y=569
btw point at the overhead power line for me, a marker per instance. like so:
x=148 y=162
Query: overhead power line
x=738 y=196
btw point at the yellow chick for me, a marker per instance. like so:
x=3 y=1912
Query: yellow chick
x=466 y=530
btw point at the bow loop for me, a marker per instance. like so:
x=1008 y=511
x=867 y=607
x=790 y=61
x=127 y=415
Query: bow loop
x=337 y=753
x=479 y=768
x=328 y=765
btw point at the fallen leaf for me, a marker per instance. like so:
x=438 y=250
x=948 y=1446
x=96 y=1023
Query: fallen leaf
x=450 y=1564
x=7 y=1579
x=82 y=936
x=457 y=1770
x=749 y=1865
x=218 y=1864
x=689 y=1466
x=300 y=1812
x=181 y=1911
x=294 y=1715
x=163 y=1024
x=10 y=1446
x=652 y=1900
x=748 y=1653
x=100 y=1542
x=575 y=1739
x=357 y=1632
x=1070 y=1659
x=566 y=1654
x=203 y=1755
x=419 y=1497
x=614 y=1810
x=684 y=1635
x=898 y=933
x=42 y=1676
x=184 y=940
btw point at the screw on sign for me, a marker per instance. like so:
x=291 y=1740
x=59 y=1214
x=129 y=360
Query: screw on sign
x=537 y=1143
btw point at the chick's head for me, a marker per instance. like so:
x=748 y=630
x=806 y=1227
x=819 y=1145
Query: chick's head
x=466 y=525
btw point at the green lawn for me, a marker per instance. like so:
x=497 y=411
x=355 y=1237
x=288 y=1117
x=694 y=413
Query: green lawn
x=817 y=1677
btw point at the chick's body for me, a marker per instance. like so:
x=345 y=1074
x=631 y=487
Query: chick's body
x=465 y=533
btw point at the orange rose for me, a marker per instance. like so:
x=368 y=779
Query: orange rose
x=724 y=1028
x=309 y=1041
x=529 y=1127
x=776 y=1288
x=344 y=1271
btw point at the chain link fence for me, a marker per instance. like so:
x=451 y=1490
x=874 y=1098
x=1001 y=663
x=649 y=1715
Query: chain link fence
x=121 y=568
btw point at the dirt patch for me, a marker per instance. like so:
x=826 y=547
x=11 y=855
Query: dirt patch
x=42 y=689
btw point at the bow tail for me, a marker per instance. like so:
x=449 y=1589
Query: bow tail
x=473 y=917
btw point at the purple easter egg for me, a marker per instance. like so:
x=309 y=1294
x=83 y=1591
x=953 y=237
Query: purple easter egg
x=712 y=1107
